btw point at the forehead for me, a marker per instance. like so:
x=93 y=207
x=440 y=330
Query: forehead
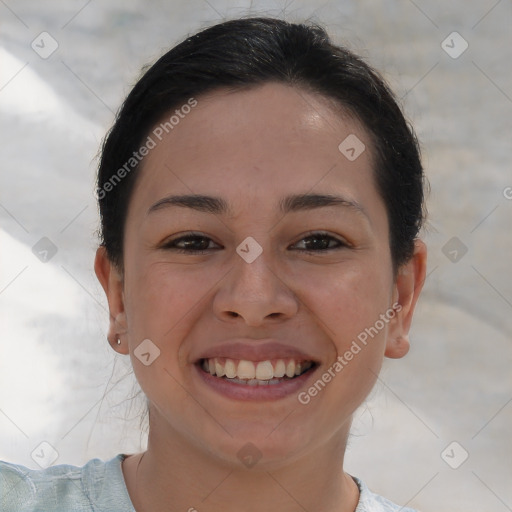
x=254 y=143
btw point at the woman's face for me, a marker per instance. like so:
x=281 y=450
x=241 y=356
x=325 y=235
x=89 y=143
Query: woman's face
x=254 y=294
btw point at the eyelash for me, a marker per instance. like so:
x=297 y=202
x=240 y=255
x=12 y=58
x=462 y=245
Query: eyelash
x=171 y=245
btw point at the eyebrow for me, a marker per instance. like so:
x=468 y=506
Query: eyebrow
x=291 y=203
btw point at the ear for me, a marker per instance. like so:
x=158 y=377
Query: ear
x=408 y=286
x=112 y=282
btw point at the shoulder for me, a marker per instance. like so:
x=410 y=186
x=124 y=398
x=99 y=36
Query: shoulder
x=371 y=502
x=97 y=484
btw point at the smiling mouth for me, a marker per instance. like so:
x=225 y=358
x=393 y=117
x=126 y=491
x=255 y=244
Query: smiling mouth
x=255 y=373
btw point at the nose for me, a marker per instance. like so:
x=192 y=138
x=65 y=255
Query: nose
x=254 y=293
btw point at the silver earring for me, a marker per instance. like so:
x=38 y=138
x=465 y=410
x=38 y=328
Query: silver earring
x=118 y=341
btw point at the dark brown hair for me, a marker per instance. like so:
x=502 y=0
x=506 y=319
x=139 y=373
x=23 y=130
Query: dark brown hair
x=243 y=53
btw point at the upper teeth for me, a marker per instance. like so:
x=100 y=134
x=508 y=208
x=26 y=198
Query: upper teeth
x=260 y=370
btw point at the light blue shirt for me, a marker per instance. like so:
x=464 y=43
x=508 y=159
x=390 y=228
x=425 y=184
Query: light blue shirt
x=99 y=486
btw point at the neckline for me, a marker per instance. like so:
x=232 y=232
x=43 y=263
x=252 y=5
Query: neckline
x=122 y=482
x=119 y=469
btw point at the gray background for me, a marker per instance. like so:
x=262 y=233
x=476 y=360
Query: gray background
x=60 y=382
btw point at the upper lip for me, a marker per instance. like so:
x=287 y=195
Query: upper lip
x=255 y=350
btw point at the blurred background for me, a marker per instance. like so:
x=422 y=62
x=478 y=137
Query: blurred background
x=435 y=434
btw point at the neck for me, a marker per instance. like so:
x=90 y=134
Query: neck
x=175 y=475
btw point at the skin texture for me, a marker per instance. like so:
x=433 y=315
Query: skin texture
x=252 y=148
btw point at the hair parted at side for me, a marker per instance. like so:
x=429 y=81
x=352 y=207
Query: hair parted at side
x=247 y=52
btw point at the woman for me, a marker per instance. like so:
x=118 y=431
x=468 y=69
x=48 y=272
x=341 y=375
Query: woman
x=261 y=197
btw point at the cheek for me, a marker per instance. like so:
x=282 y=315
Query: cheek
x=161 y=305
x=351 y=305
x=159 y=298
x=348 y=298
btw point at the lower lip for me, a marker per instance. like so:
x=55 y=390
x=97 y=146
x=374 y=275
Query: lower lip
x=257 y=392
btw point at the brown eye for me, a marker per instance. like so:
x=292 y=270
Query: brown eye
x=321 y=242
x=190 y=244
x=200 y=244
